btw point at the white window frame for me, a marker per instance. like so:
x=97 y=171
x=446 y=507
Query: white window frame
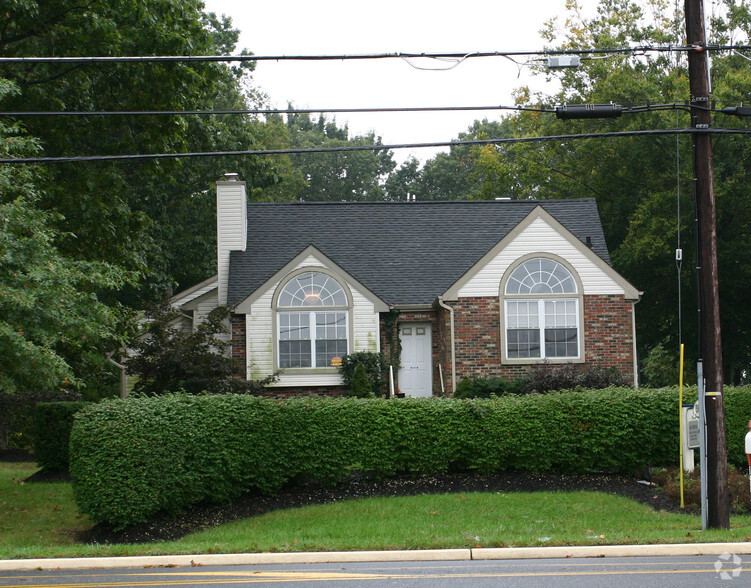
x=321 y=306
x=542 y=325
x=570 y=295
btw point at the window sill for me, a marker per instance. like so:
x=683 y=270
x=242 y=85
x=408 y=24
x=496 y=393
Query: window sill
x=538 y=361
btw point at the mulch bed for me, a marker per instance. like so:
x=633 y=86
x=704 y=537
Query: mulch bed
x=205 y=516
x=169 y=528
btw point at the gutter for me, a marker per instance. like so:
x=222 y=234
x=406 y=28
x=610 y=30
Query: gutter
x=442 y=304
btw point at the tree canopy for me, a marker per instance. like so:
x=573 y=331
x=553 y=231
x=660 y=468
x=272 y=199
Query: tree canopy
x=52 y=320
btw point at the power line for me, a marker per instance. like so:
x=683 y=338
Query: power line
x=257 y=152
x=641 y=49
x=18 y=113
x=627 y=110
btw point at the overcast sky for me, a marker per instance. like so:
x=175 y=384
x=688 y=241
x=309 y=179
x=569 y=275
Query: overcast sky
x=349 y=27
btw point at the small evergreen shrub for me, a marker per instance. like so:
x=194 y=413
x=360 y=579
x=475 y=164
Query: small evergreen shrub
x=464 y=389
x=375 y=368
x=52 y=423
x=361 y=386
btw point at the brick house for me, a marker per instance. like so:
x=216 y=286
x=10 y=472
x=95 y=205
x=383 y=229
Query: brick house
x=446 y=290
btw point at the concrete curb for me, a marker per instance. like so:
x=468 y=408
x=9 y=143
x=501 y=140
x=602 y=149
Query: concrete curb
x=375 y=556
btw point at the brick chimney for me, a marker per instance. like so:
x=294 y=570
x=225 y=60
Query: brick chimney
x=231 y=226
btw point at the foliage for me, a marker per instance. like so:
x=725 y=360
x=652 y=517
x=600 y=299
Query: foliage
x=51 y=315
x=17 y=411
x=339 y=176
x=153 y=218
x=133 y=458
x=169 y=358
x=464 y=389
x=361 y=386
x=661 y=368
x=669 y=482
x=488 y=387
x=639 y=182
x=548 y=377
x=375 y=368
x=52 y=422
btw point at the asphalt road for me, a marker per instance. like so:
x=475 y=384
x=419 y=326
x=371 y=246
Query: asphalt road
x=644 y=572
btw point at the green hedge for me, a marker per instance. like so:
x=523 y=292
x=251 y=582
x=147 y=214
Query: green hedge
x=51 y=423
x=131 y=459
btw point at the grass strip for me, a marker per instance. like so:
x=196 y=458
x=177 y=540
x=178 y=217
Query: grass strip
x=41 y=520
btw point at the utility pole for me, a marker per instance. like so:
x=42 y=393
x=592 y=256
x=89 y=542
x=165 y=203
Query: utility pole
x=710 y=342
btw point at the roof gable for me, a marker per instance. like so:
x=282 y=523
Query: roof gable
x=402 y=252
x=539 y=213
x=245 y=305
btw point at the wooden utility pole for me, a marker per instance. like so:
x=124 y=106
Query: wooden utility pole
x=710 y=342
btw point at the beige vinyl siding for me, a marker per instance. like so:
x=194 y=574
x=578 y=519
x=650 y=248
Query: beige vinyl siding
x=540 y=237
x=259 y=343
x=260 y=335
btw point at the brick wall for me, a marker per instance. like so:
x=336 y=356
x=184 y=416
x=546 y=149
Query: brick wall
x=477 y=328
x=239 y=353
x=608 y=336
x=321 y=391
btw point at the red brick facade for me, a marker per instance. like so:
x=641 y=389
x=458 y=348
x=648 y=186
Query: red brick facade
x=608 y=332
x=608 y=337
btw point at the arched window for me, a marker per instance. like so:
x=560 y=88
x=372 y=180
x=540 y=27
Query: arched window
x=313 y=321
x=541 y=305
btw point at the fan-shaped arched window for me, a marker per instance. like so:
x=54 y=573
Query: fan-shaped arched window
x=541 y=276
x=541 y=311
x=313 y=321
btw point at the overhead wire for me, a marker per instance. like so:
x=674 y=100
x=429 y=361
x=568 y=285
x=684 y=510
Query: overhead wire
x=640 y=49
x=630 y=109
x=379 y=147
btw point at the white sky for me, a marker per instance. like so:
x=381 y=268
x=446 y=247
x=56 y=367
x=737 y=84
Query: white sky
x=349 y=27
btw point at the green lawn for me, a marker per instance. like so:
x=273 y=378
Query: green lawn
x=40 y=520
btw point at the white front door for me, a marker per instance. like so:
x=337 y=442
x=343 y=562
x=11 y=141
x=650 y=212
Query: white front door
x=415 y=375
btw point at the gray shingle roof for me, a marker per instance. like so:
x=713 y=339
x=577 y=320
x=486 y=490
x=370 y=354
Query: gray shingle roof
x=404 y=252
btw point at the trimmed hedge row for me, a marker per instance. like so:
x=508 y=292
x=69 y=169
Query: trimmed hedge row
x=51 y=423
x=131 y=459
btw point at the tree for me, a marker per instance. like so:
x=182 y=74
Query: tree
x=151 y=217
x=338 y=176
x=403 y=181
x=169 y=359
x=51 y=317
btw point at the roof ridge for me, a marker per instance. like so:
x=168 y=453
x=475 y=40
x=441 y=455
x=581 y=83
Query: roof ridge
x=419 y=202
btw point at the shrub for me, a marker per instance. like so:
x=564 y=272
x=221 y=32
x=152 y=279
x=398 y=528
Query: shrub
x=464 y=389
x=569 y=376
x=16 y=413
x=361 y=386
x=375 y=369
x=489 y=387
x=168 y=359
x=52 y=423
x=133 y=458
x=669 y=482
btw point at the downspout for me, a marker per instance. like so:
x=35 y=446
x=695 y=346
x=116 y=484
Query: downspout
x=442 y=304
x=633 y=337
